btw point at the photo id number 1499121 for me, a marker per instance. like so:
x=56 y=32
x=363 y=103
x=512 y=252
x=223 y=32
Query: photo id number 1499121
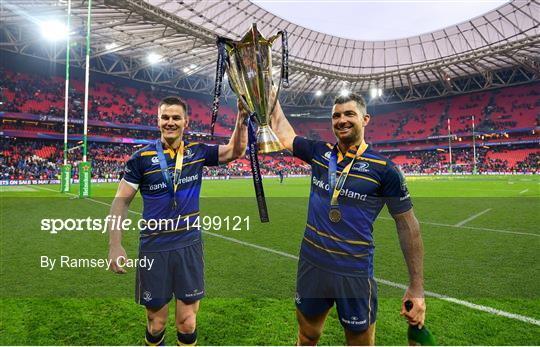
x=218 y=223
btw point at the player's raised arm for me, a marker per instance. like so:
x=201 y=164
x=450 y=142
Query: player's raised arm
x=236 y=148
x=119 y=210
x=282 y=127
x=410 y=241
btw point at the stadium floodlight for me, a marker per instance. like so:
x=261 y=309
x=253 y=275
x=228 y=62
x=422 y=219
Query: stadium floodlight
x=186 y=70
x=110 y=46
x=192 y=66
x=344 y=92
x=154 y=58
x=318 y=93
x=54 y=30
x=375 y=92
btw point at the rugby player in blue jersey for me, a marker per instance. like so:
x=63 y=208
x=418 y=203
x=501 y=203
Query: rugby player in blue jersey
x=350 y=184
x=168 y=174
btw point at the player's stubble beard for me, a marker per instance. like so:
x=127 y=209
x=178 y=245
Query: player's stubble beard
x=355 y=138
x=172 y=141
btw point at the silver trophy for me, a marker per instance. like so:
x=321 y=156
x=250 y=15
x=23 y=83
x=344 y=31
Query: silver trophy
x=249 y=68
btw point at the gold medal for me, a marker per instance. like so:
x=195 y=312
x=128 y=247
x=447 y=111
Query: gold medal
x=334 y=215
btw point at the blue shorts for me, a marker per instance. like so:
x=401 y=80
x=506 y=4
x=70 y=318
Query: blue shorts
x=355 y=297
x=179 y=272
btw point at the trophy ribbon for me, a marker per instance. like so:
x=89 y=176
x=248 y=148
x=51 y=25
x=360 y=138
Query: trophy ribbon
x=335 y=187
x=220 y=71
x=255 y=169
x=284 y=58
x=172 y=184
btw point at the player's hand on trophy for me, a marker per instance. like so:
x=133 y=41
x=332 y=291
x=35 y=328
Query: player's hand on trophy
x=417 y=314
x=117 y=253
x=242 y=112
x=277 y=111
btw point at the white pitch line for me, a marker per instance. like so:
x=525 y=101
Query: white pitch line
x=401 y=286
x=465 y=221
x=524 y=191
x=471 y=305
x=271 y=250
x=453 y=226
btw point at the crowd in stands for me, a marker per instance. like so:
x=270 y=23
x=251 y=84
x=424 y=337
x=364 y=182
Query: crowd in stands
x=20 y=160
x=118 y=102
x=497 y=110
x=39 y=159
x=108 y=101
x=76 y=129
x=529 y=164
x=270 y=165
x=492 y=159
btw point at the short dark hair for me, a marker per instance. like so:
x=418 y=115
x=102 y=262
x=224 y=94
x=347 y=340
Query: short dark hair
x=359 y=99
x=173 y=100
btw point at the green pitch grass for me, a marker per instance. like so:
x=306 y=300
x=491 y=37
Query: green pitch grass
x=481 y=238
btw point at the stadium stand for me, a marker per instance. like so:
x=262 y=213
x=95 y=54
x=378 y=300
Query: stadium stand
x=414 y=135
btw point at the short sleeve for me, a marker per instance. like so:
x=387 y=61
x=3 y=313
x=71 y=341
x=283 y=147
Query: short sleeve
x=395 y=191
x=132 y=171
x=211 y=154
x=303 y=148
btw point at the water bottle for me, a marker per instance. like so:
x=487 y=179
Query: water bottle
x=417 y=336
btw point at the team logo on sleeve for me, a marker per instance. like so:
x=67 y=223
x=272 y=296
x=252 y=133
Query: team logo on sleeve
x=155 y=160
x=327 y=155
x=402 y=182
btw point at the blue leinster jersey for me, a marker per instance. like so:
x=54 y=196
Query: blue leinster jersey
x=346 y=247
x=163 y=229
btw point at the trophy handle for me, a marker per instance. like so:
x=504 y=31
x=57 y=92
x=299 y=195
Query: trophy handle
x=283 y=65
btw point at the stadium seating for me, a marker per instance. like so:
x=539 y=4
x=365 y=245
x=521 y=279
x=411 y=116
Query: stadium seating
x=505 y=109
x=31 y=158
x=409 y=128
x=513 y=159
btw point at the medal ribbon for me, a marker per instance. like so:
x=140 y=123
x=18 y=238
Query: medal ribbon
x=172 y=184
x=336 y=187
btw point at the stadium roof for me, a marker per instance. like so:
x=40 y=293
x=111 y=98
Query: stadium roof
x=451 y=60
x=377 y=20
